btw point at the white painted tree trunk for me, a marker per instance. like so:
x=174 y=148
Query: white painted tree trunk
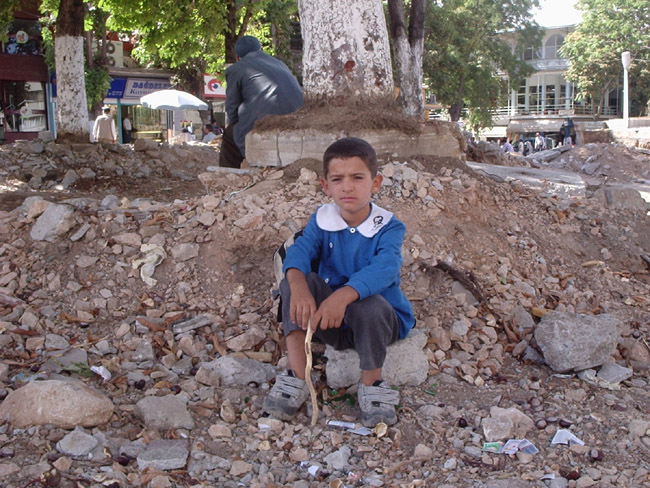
x=345 y=50
x=71 y=87
x=407 y=51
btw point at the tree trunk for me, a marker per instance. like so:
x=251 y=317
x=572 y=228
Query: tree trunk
x=71 y=88
x=346 y=54
x=456 y=110
x=236 y=26
x=407 y=53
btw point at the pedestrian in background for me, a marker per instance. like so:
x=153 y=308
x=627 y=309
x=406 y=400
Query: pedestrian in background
x=104 y=129
x=127 y=128
x=540 y=142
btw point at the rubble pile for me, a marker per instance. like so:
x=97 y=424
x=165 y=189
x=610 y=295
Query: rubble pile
x=161 y=312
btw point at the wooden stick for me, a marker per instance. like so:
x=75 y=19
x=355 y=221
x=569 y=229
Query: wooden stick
x=312 y=391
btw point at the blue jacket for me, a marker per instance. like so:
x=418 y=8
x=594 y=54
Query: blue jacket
x=257 y=85
x=368 y=257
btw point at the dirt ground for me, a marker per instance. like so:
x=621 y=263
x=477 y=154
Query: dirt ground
x=578 y=254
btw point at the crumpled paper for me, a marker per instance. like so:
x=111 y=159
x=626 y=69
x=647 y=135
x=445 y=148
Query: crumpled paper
x=155 y=254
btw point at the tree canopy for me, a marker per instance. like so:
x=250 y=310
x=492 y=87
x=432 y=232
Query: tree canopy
x=466 y=52
x=194 y=37
x=594 y=49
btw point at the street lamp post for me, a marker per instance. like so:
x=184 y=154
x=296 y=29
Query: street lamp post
x=626 y=58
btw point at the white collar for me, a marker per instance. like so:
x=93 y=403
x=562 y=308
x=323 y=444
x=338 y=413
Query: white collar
x=328 y=217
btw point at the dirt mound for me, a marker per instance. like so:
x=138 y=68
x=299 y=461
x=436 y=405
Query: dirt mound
x=342 y=117
x=478 y=255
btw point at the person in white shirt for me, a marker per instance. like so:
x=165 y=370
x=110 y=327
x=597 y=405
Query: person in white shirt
x=104 y=129
x=208 y=134
x=127 y=128
x=540 y=142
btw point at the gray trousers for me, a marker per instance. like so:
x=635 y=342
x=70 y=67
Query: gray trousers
x=369 y=325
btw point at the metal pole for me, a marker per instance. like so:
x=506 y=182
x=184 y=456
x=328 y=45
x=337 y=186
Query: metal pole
x=120 y=137
x=626 y=59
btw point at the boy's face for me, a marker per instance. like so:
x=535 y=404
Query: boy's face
x=350 y=184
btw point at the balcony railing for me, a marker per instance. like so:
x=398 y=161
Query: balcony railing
x=551 y=110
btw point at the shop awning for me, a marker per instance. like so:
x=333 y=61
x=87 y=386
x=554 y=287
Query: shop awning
x=494 y=132
x=534 y=125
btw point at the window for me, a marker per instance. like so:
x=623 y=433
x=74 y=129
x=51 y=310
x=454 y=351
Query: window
x=530 y=53
x=521 y=97
x=550 y=97
x=23 y=104
x=533 y=99
x=552 y=45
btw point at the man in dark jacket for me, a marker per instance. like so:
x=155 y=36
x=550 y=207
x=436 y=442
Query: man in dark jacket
x=256 y=85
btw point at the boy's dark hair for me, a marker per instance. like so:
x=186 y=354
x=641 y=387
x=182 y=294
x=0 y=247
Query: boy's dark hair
x=209 y=127
x=350 y=147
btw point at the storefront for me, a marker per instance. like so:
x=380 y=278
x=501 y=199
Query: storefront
x=125 y=92
x=23 y=83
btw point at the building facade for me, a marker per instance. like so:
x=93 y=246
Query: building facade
x=546 y=98
x=24 y=80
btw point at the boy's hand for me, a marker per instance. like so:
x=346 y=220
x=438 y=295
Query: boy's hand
x=302 y=305
x=331 y=312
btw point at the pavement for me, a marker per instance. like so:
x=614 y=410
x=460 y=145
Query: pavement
x=550 y=180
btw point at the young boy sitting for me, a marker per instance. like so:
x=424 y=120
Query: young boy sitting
x=354 y=301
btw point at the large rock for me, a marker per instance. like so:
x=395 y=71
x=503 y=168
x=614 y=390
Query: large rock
x=406 y=363
x=164 y=413
x=283 y=147
x=55 y=221
x=576 y=341
x=227 y=370
x=506 y=423
x=66 y=404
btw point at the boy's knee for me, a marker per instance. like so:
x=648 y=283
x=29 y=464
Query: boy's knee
x=374 y=307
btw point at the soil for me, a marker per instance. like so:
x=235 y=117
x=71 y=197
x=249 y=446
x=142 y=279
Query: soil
x=477 y=226
x=342 y=116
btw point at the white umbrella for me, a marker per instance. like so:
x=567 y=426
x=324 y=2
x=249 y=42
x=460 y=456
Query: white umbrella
x=173 y=100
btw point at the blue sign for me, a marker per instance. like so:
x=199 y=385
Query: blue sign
x=116 y=89
x=139 y=87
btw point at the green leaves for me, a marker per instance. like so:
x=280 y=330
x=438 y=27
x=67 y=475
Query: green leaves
x=466 y=50
x=594 y=49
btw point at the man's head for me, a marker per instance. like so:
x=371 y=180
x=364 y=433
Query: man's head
x=246 y=44
x=106 y=109
x=350 y=147
x=208 y=127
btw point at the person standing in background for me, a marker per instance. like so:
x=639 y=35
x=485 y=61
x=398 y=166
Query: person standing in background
x=104 y=129
x=126 y=133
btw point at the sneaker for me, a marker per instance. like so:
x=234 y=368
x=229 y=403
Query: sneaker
x=286 y=397
x=377 y=404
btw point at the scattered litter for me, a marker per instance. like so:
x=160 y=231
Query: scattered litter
x=493 y=447
x=511 y=447
x=380 y=429
x=362 y=431
x=352 y=428
x=342 y=424
x=234 y=193
x=548 y=476
x=155 y=255
x=352 y=476
x=563 y=436
x=102 y=371
x=313 y=469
